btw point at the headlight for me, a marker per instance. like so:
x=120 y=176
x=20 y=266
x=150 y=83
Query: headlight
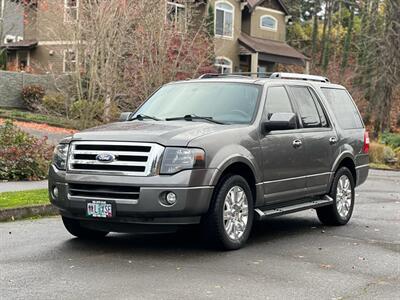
x=60 y=156
x=178 y=159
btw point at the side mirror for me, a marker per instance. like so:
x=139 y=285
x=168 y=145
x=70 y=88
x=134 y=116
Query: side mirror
x=280 y=121
x=124 y=116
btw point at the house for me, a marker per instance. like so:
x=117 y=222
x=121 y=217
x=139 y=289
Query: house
x=249 y=36
x=39 y=50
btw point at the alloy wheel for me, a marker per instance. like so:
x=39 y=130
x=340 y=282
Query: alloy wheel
x=343 y=196
x=236 y=213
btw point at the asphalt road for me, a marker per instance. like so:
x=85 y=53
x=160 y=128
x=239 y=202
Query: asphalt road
x=290 y=257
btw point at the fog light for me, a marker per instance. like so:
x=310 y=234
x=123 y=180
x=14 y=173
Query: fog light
x=55 y=192
x=170 y=198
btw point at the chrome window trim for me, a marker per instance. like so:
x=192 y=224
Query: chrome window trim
x=294 y=178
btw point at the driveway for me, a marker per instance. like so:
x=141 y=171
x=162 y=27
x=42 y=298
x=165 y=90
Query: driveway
x=289 y=257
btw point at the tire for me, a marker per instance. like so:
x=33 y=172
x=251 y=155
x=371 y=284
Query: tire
x=73 y=227
x=339 y=213
x=226 y=226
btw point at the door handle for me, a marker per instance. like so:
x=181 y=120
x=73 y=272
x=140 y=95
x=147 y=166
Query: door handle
x=332 y=140
x=297 y=143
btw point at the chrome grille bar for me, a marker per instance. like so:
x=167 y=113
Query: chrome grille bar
x=128 y=158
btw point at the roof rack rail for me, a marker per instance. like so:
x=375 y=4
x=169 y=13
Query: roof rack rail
x=236 y=74
x=297 y=76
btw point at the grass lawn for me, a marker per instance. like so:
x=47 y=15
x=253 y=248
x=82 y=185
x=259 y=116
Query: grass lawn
x=37 y=118
x=24 y=198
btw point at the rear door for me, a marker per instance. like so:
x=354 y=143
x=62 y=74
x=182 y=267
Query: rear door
x=319 y=138
x=283 y=154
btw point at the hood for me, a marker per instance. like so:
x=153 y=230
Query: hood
x=167 y=133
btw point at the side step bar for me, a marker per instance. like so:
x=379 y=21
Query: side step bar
x=260 y=215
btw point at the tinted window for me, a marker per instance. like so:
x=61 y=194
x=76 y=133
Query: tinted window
x=225 y=102
x=322 y=116
x=307 y=107
x=343 y=107
x=277 y=101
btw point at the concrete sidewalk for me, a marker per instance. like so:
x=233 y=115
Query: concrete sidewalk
x=22 y=186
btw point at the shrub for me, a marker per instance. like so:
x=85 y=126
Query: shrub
x=22 y=157
x=90 y=113
x=391 y=139
x=55 y=104
x=376 y=153
x=32 y=96
x=388 y=155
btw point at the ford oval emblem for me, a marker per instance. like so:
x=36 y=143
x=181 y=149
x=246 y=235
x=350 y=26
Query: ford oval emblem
x=105 y=157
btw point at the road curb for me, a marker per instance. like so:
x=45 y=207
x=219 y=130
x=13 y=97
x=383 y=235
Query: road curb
x=11 y=214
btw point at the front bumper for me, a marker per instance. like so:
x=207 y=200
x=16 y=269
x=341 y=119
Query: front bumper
x=192 y=187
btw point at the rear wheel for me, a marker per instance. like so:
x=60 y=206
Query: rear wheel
x=74 y=227
x=342 y=192
x=229 y=220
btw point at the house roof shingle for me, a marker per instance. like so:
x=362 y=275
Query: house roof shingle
x=271 y=47
x=253 y=3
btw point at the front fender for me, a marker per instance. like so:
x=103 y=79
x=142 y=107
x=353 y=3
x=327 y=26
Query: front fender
x=231 y=154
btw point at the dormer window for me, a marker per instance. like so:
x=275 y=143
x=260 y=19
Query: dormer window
x=176 y=14
x=224 y=13
x=268 y=23
x=71 y=10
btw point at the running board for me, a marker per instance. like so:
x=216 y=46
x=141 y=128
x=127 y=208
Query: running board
x=292 y=208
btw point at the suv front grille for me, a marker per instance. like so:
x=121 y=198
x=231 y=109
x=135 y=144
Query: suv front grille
x=135 y=159
x=128 y=194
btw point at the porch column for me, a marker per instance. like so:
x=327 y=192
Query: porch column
x=254 y=63
x=307 y=70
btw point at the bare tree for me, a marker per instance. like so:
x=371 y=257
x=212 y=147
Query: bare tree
x=126 y=49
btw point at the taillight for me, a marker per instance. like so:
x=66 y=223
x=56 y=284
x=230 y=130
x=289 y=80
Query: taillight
x=366 y=142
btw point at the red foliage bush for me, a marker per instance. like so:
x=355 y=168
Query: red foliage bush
x=32 y=96
x=22 y=157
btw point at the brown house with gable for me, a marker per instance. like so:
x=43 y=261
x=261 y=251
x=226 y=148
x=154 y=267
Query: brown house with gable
x=249 y=36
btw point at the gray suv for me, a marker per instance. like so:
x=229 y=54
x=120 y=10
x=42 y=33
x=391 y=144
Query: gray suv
x=219 y=151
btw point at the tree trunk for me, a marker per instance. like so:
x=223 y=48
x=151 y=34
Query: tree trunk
x=314 y=34
x=347 y=43
x=323 y=39
x=326 y=53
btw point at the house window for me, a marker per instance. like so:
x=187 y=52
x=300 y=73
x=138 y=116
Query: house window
x=176 y=14
x=10 y=39
x=71 y=10
x=269 y=23
x=224 y=65
x=69 y=61
x=224 y=13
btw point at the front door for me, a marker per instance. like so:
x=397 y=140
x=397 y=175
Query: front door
x=283 y=153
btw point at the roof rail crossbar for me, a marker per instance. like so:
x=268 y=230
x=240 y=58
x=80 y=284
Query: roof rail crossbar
x=236 y=74
x=297 y=76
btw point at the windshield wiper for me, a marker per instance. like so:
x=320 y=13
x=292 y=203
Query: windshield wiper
x=141 y=117
x=194 y=117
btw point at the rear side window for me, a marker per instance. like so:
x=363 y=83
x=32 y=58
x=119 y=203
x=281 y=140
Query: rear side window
x=277 y=101
x=311 y=113
x=343 y=108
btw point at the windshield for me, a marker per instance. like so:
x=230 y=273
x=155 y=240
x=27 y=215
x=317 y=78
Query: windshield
x=233 y=103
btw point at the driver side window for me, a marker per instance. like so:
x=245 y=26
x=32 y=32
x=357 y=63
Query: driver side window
x=277 y=101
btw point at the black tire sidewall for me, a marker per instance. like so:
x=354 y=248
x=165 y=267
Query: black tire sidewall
x=227 y=184
x=342 y=171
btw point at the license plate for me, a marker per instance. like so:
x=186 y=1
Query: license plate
x=99 y=209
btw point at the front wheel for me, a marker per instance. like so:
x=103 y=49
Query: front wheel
x=229 y=220
x=74 y=227
x=342 y=192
